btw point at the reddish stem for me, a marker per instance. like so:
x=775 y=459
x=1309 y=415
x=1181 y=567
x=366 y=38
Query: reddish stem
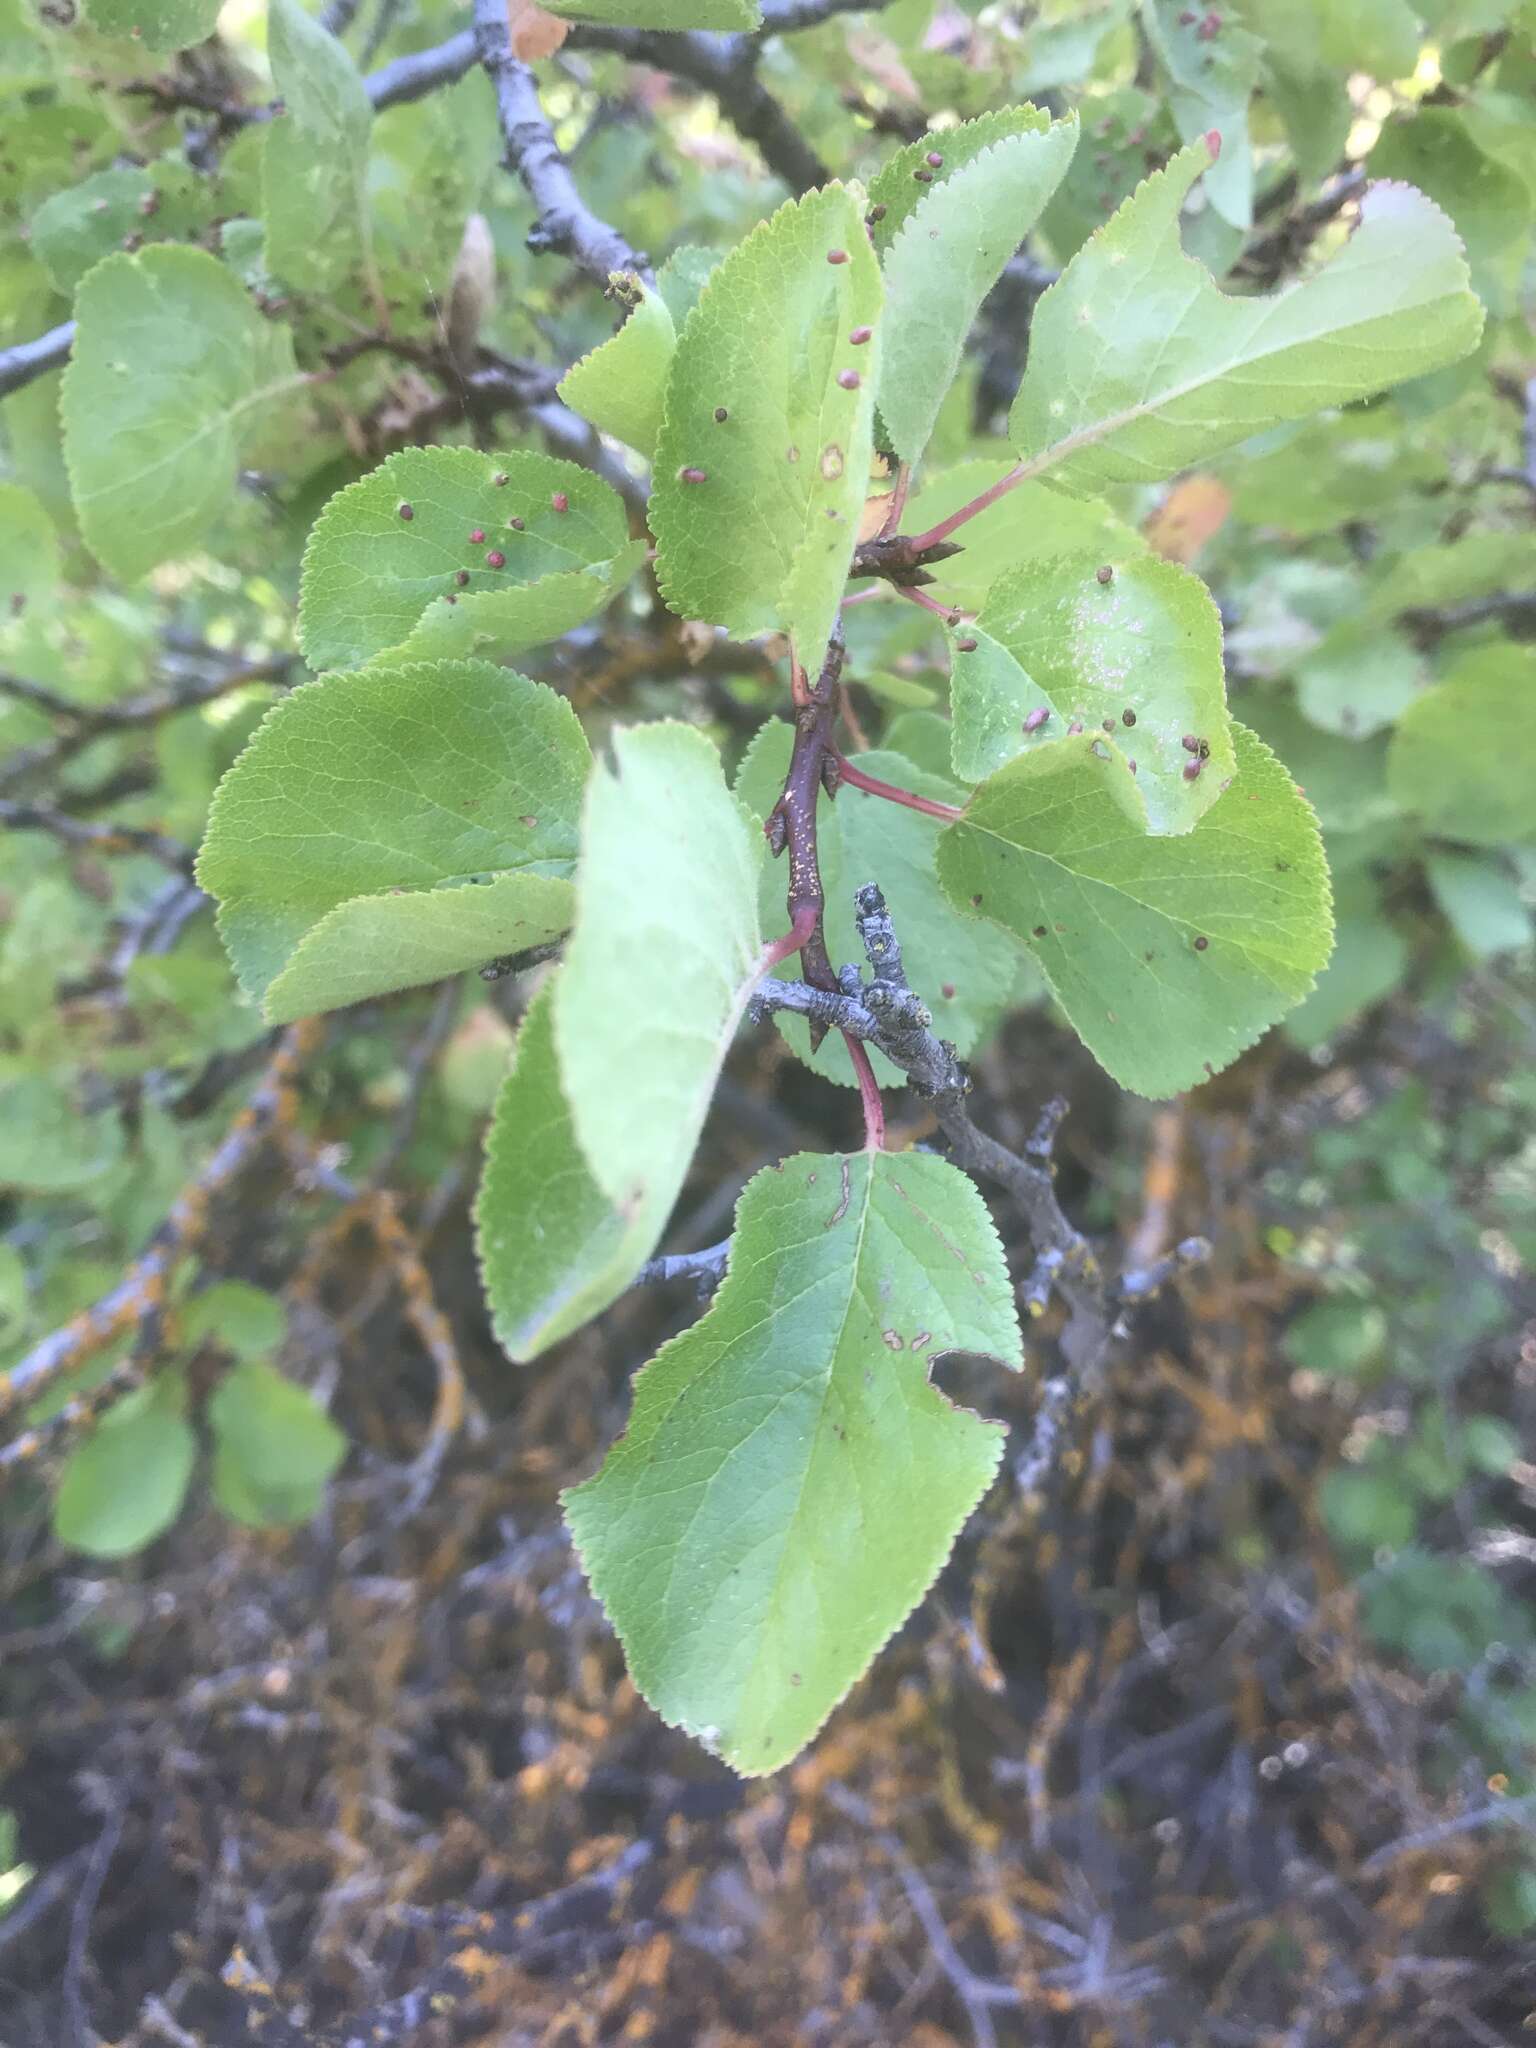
x=947 y=612
x=897 y=503
x=873 y=786
x=780 y=949
x=1017 y=475
x=869 y=1094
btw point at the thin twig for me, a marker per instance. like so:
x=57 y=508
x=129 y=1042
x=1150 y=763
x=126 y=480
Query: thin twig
x=565 y=223
x=98 y=838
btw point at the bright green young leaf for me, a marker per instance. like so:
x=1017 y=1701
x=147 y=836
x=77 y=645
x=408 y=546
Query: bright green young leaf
x=790 y=1482
x=1135 y=657
x=274 y=1446
x=553 y=1249
x=1028 y=524
x=125 y=1484
x=392 y=826
x=1139 y=366
x=1212 y=78
x=662 y=14
x=157 y=25
x=763 y=440
x=947 y=256
x=1169 y=955
x=314 y=168
x=170 y=360
x=1463 y=757
x=29 y=554
x=620 y=385
x=657 y=973
x=964 y=970
x=382 y=568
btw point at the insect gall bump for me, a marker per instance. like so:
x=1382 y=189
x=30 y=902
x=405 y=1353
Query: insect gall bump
x=693 y=476
x=1038 y=717
x=837 y=255
x=934 y=160
x=965 y=647
x=923 y=177
x=721 y=415
x=1106 y=574
x=850 y=380
x=1201 y=944
x=477 y=535
x=560 y=500
x=517 y=525
x=1127 y=716
x=1192 y=770
x=461 y=577
x=861 y=334
x=495 y=559
x=407 y=512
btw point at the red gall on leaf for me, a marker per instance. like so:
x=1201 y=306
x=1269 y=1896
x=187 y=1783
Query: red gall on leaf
x=849 y=379
x=477 y=535
x=935 y=159
x=837 y=255
x=860 y=335
x=495 y=559
x=1213 y=142
x=1106 y=574
x=516 y=525
x=1036 y=718
x=561 y=501
x=407 y=511
x=1127 y=716
x=693 y=476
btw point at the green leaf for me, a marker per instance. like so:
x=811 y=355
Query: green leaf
x=785 y=473
x=1370 y=958
x=159 y=25
x=662 y=14
x=790 y=1482
x=1169 y=955
x=1212 y=78
x=899 y=190
x=314 y=166
x=1139 y=366
x=1146 y=643
x=964 y=970
x=393 y=826
x=49 y=1141
x=125 y=1484
x=244 y=1319
x=377 y=581
x=1489 y=203
x=1481 y=901
x=657 y=974
x=29 y=555
x=1358 y=677
x=947 y=256
x=1030 y=523
x=170 y=360
x=74 y=229
x=1366 y=1510
x=1463 y=758
x=620 y=385
x=274 y=1446
x=554 y=1251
